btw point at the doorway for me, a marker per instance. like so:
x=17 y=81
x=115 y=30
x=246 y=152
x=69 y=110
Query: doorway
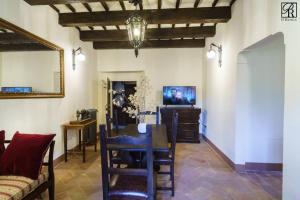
x=260 y=104
x=122 y=91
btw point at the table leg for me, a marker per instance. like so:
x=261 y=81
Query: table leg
x=66 y=143
x=83 y=144
x=79 y=138
x=96 y=141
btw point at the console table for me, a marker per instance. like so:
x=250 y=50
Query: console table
x=80 y=127
x=188 y=123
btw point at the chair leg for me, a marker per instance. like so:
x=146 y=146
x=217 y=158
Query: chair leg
x=51 y=191
x=172 y=180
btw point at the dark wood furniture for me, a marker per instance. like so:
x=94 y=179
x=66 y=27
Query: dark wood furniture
x=111 y=125
x=127 y=183
x=169 y=157
x=81 y=136
x=159 y=137
x=188 y=123
x=114 y=156
x=50 y=183
x=147 y=113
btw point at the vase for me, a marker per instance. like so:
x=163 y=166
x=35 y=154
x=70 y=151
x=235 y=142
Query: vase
x=142 y=127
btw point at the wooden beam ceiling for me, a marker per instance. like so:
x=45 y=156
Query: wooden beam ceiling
x=10 y=38
x=122 y=5
x=49 y=2
x=155 y=37
x=24 y=47
x=176 y=7
x=163 y=16
x=163 y=33
x=198 y=43
x=215 y=3
x=196 y=3
x=54 y=8
x=158 y=7
x=232 y=2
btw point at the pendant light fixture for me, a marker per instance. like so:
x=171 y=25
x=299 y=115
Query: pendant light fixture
x=136 y=27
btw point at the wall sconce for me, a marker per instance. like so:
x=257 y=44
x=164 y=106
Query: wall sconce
x=77 y=55
x=212 y=53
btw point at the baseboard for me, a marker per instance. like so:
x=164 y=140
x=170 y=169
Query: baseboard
x=58 y=160
x=248 y=166
x=219 y=152
x=61 y=158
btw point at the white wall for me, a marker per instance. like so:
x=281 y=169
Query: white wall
x=260 y=102
x=47 y=115
x=162 y=66
x=253 y=21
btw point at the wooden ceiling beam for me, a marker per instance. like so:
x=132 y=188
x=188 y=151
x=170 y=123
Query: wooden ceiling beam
x=164 y=33
x=232 y=2
x=215 y=3
x=54 y=8
x=87 y=6
x=3 y=30
x=24 y=47
x=163 y=16
x=141 y=5
x=9 y=38
x=186 y=43
x=122 y=5
x=195 y=6
x=105 y=6
x=196 y=3
x=71 y=8
x=159 y=7
x=177 y=4
x=49 y=2
x=176 y=7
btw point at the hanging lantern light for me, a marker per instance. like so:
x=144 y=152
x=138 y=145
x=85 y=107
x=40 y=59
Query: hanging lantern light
x=136 y=27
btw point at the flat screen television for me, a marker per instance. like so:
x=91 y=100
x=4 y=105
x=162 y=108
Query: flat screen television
x=16 y=89
x=179 y=95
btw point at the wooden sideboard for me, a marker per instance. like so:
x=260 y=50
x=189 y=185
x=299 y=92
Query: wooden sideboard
x=188 y=123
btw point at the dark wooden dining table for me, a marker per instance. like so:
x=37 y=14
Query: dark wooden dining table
x=159 y=137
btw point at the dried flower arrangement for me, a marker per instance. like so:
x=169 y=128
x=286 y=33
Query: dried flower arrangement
x=140 y=101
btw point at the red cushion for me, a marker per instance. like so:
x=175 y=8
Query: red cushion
x=24 y=155
x=2 y=138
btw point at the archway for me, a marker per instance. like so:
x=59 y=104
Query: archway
x=260 y=105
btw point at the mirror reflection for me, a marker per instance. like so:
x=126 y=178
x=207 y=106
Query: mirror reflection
x=27 y=65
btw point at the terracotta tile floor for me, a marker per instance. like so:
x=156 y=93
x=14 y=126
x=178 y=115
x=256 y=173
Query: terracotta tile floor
x=200 y=175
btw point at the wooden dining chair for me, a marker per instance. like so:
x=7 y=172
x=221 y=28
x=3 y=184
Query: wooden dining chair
x=116 y=157
x=169 y=158
x=148 y=113
x=127 y=183
x=112 y=123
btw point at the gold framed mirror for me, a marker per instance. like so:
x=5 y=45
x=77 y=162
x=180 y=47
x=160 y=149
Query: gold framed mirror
x=30 y=66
